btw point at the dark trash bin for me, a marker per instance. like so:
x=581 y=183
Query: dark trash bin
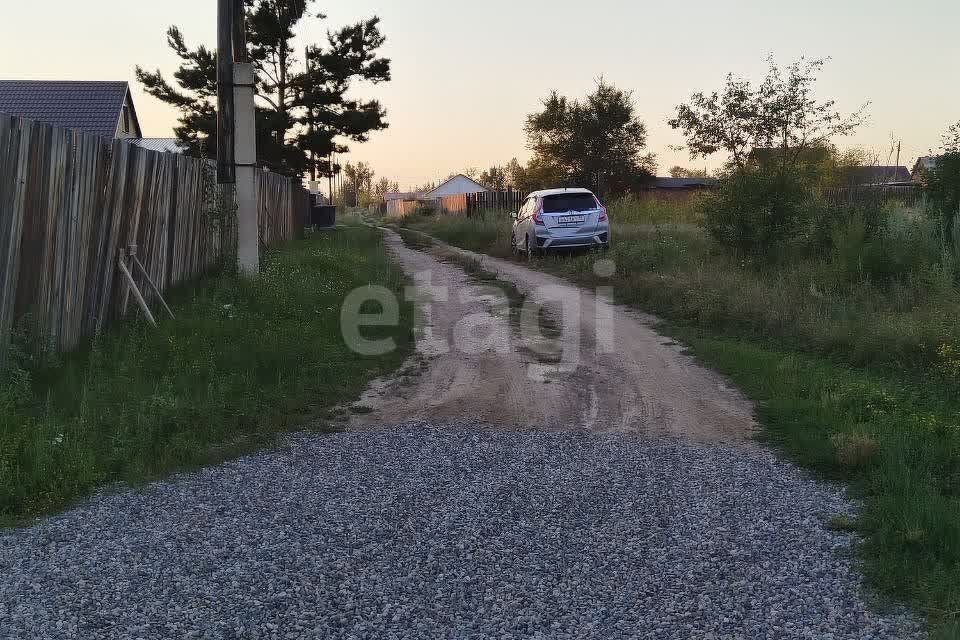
x=323 y=216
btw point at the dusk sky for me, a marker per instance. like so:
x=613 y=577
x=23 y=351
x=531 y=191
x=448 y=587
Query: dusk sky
x=466 y=74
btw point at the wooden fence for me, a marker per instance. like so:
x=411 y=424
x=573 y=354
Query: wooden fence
x=876 y=194
x=470 y=203
x=71 y=201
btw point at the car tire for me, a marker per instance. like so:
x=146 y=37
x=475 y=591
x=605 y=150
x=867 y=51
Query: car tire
x=528 y=249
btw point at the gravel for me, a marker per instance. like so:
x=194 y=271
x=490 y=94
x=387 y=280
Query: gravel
x=455 y=532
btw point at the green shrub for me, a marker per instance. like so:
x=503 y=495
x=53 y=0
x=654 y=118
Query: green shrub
x=758 y=213
x=943 y=191
x=901 y=249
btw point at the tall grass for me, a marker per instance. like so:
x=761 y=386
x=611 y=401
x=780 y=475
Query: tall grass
x=244 y=360
x=485 y=231
x=852 y=355
x=887 y=300
x=650 y=209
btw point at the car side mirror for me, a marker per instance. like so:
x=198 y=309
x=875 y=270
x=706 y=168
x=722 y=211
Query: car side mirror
x=515 y=215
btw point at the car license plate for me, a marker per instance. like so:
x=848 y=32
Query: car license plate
x=572 y=219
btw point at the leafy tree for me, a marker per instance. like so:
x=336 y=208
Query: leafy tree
x=951 y=139
x=543 y=174
x=382 y=187
x=596 y=143
x=304 y=111
x=515 y=174
x=780 y=113
x=943 y=184
x=778 y=140
x=358 y=183
x=494 y=178
x=677 y=171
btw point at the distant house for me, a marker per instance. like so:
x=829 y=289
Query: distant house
x=677 y=188
x=923 y=167
x=456 y=185
x=401 y=203
x=102 y=108
x=877 y=175
x=682 y=184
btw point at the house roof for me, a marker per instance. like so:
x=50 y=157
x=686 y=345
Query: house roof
x=401 y=195
x=683 y=183
x=480 y=187
x=165 y=145
x=879 y=174
x=90 y=106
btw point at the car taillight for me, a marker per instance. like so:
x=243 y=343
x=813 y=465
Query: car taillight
x=603 y=214
x=538 y=217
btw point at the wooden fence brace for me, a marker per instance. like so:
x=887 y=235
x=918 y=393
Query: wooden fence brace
x=132 y=250
x=132 y=287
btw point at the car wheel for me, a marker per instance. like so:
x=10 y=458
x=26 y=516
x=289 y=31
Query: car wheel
x=528 y=249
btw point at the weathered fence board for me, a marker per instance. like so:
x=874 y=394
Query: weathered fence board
x=71 y=201
x=469 y=203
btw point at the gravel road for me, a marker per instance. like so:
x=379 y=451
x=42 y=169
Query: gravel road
x=451 y=532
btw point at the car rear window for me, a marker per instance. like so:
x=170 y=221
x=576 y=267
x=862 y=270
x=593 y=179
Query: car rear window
x=569 y=202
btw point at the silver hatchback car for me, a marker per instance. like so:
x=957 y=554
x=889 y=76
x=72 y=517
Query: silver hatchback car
x=560 y=218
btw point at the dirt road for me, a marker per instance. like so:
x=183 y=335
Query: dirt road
x=602 y=367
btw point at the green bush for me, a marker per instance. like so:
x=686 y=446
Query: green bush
x=901 y=249
x=759 y=213
x=943 y=191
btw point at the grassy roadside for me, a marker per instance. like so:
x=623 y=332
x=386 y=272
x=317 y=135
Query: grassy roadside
x=242 y=362
x=843 y=382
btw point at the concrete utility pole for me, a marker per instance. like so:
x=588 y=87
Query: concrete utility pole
x=236 y=124
x=244 y=90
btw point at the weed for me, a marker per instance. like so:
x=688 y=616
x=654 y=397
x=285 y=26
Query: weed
x=842 y=523
x=854 y=450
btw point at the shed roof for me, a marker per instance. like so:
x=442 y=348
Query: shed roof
x=90 y=106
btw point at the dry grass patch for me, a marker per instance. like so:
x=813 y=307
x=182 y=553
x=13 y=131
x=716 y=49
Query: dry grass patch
x=854 y=450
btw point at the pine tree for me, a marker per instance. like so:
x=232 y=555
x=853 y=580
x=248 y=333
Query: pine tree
x=304 y=111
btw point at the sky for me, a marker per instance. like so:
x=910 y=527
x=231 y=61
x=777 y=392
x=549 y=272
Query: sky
x=466 y=74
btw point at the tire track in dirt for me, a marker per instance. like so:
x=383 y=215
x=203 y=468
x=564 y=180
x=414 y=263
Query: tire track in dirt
x=646 y=384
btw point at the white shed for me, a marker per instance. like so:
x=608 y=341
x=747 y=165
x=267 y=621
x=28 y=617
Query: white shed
x=456 y=185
